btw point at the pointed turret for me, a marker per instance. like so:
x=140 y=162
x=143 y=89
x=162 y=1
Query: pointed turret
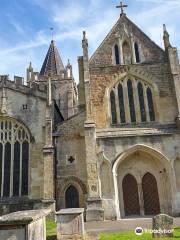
x=53 y=64
x=166 y=37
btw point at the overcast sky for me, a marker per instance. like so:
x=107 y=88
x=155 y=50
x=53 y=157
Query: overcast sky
x=25 y=27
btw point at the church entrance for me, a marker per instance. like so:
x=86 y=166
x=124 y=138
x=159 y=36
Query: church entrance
x=130 y=195
x=149 y=198
x=72 y=197
x=150 y=195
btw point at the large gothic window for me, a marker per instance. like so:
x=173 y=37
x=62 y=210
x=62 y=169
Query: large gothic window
x=121 y=103
x=141 y=102
x=116 y=50
x=131 y=101
x=127 y=56
x=136 y=49
x=113 y=107
x=150 y=104
x=14 y=158
x=123 y=108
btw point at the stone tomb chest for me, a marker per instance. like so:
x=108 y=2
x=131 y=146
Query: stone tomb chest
x=70 y=222
x=24 y=225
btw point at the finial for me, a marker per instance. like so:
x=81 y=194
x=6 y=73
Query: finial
x=30 y=66
x=84 y=35
x=166 y=37
x=52 y=34
x=4 y=98
x=122 y=6
x=68 y=62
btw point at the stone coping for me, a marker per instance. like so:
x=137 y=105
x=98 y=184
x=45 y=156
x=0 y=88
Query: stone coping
x=23 y=217
x=70 y=211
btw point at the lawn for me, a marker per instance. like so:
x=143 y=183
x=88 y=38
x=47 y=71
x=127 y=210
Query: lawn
x=50 y=230
x=133 y=236
x=51 y=234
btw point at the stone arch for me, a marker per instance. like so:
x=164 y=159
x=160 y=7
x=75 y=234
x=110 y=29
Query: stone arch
x=64 y=184
x=165 y=174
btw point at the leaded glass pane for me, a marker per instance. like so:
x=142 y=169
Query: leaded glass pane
x=16 y=172
x=25 y=163
x=7 y=170
x=141 y=102
x=131 y=101
x=113 y=108
x=150 y=104
x=121 y=103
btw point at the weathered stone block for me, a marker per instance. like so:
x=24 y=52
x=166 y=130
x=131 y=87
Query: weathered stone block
x=162 y=226
x=70 y=223
x=25 y=225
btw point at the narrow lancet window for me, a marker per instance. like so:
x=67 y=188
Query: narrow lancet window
x=117 y=58
x=131 y=101
x=113 y=108
x=136 y=49
x=121 y=103
x=141 y=102
x=150 y=104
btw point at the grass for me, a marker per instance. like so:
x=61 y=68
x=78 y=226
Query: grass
x=50 y=230
x=133 y=236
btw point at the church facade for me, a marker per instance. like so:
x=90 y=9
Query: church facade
x=110 y=145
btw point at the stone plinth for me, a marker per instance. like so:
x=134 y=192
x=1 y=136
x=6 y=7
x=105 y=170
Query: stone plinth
x=94 y=211
x=70 y=223
x=162 y=226
x=24 y=225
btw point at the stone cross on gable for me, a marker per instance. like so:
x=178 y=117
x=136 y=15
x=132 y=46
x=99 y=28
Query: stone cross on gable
x=122 y=6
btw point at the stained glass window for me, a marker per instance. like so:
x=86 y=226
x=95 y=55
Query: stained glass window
x=113 y=107
x=141 y=102
x=131 y=101
x=14 y=158
x=150 y=104
x=121 y=103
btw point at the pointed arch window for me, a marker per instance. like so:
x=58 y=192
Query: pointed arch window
x=14 y=158
x=141 y=102
x=137 y=55
x=150 y=104
x=113 y=108
x=116 y=51
x=131 y=101
x=121 y=103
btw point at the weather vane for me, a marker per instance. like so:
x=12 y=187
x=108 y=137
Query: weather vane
x=122 y=6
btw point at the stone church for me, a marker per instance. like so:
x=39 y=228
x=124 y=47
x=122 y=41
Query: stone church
x=110 y=145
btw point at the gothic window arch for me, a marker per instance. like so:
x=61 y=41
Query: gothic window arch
x=127 y=56
x=129 y=104
x=131 y=101
x=150 y=104
x=121 y=103
x=113 y=107
x=137 y=55
x=14 y=158
x=141 y=102
x=117 y=56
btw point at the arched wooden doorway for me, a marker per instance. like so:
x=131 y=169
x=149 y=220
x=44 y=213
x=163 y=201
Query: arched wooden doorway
x=130 y=195
x=150 y=194
x=72 y=197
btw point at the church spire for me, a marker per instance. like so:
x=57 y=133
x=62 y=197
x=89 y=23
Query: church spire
x=53 y=64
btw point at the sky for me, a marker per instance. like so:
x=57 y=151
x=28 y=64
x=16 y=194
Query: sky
x=25 y=28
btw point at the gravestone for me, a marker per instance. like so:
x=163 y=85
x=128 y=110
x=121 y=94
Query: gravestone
x=23 y=225
x=162 y=226
x=70 y=223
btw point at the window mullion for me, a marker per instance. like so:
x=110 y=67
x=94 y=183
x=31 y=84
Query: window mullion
x=126 y=102
x=136 y=101
x=117 y=105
